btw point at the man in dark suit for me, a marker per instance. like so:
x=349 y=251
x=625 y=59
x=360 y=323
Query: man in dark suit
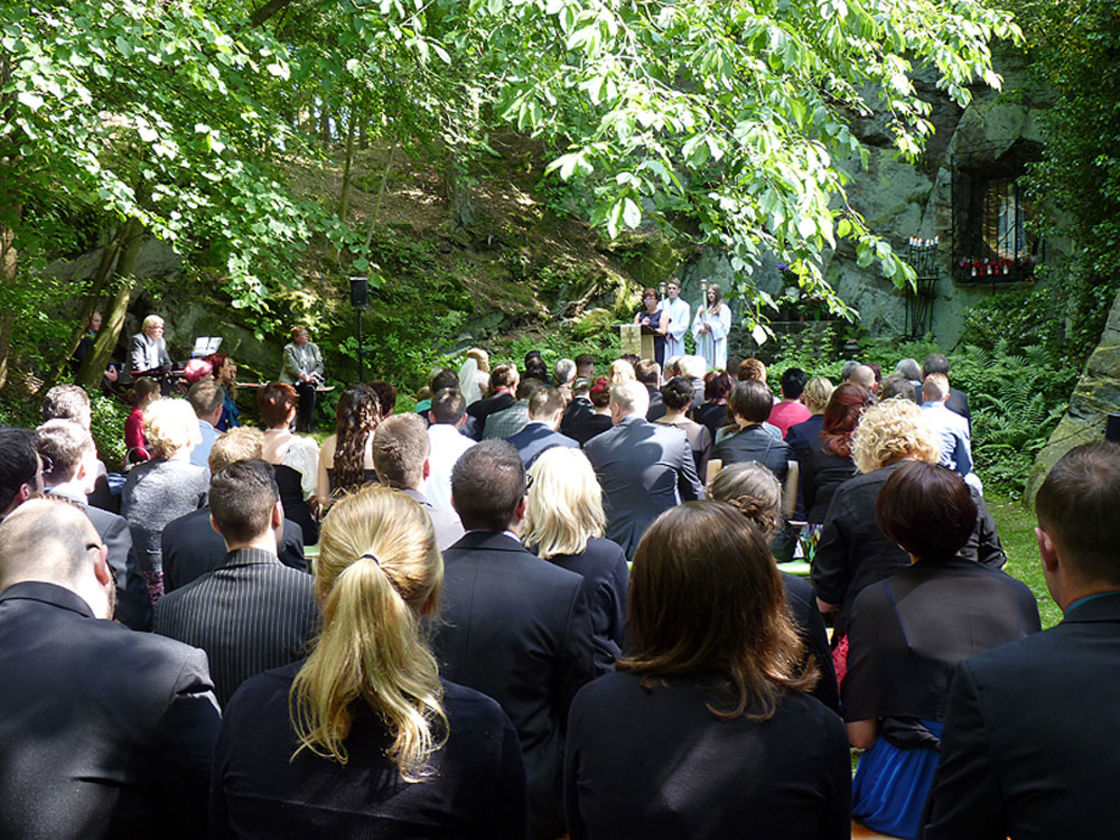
x=503 y=385
x=191 y=548
x=251 y=613
x=106 y=732
x=579 y=410
x=1031 y=744
x=400 y=456
x=21 y=468
x=513 y=626
x=645 y=468
x=958 y=400
x=546 y=407
x=69 y=450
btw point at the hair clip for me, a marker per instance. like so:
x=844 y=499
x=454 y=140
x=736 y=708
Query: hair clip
x=372 y=557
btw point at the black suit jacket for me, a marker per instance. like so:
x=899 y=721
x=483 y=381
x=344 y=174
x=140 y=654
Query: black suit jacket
x=958 y=402
x=105 y=732
x=481 y=409
x=1030 y=746
x=645 y=468
x=250 y=614
x=656 y=404
x=191 y=548
x=535 y=439
x=519 y=630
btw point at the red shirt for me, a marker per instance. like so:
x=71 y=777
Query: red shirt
x=788 y=413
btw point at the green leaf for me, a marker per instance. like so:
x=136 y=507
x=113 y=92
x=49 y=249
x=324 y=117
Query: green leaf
x=631 y=213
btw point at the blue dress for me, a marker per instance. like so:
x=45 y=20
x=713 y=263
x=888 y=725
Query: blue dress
x=231 y=416
x=658 y=340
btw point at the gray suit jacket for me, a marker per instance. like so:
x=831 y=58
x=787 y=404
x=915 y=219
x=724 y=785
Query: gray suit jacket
x=142 y=353
x=645 y=468
x=291 y=370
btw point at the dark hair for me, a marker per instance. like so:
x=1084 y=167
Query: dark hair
x=648 y=291
x=897 y=386
x=535 y=368
x=276 y=401
x=400 y=448
x=721 y=609
x=502 y=376
x=296 y=331
x=1077 y=505
x=544 y=402
x=242 y=496
x=925 y=509
x=217 y=362
x=600 y=394
x=19 y=463
x=584 y=361
x=205 y=396
x=935 y=363
x=793 y=382
x=67 y=402
x=487 y=484
x=677 y=393
x=717 y=385
x=751 y=400
x=841 y=416
x=448 y=406
x=386 y=396
x=62 y=443
x=142 y=387
x=358 y=416
x=445 y=379
x=527 y=387
x=629 y=357
x=647 y=371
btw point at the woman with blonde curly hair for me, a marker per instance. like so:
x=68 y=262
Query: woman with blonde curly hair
x=854 y=552
x=364 y=738
x=164 y=488
x=564 y=524
x=705 y=728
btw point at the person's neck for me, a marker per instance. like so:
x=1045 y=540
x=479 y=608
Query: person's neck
x=673 y=416
x=71 y=489
x=263 y=542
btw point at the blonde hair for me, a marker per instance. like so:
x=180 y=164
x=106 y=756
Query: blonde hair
x=378 y=568
x=817 y=391
x=621 y=371
x=481 y=358
x=565 y=506
x=889 y=432
x=243 y=443
x=170 y=425
x=151 y=321
x=754 y=491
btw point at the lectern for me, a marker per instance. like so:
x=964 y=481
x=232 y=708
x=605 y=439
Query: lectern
x=637 y=339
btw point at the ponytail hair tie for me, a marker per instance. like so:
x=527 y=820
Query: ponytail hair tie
x=372 y=557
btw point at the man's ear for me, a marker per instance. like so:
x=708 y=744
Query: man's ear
x=1047 y=551
x=277 y=520
x=101 y=566
x=522 y=504
x=427 y=469
x=214 y=525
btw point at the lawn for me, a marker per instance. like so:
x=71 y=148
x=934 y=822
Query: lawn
x=1016 y=530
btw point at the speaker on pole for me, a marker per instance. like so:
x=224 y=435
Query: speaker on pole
x=359 y=292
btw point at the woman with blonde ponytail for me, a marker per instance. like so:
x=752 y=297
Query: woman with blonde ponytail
x=364 y=738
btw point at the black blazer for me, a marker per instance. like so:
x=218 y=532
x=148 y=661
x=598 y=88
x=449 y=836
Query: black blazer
x=535 y=439
x=250 y=614
x=481 y=409
x=653 y=762
x=1029 y=748
x=644 y=468
x=754 y=443
x=105 y=732
x=519 y=630
x=476 y=790
x=958 y=403
x=191 y=548
x=810 y=627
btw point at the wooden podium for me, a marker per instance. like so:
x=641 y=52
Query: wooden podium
x=637 y=339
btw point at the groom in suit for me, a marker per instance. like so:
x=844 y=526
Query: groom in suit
x=1031 y=745
x=513 y=626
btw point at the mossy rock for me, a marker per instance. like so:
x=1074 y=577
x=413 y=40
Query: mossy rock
x=593 y=322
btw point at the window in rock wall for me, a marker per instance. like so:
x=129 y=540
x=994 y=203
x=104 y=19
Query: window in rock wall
x=991 y=239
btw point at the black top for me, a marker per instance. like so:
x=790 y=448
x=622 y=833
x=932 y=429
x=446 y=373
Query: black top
x=191 y=548
x=656 y=763
x=479 y=410
x=289 y=480
x=854 y=553
x=656 y=404
x=106 y=733
x=712 y=415
x=754 y=443
x=906 y=634
x=476 y=790
x=802 y=604
x=250 y=614
x=821 y=473
x=606 y=577
x=801 y=435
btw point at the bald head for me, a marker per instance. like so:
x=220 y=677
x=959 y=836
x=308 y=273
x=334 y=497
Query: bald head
x=48 y=540
x=865 y=376
x=629 y=398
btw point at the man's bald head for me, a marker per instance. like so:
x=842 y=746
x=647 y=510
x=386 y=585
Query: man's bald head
x=50 y=540
x=865 y=376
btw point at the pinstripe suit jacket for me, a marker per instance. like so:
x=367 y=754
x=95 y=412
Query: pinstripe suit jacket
x=250 y=614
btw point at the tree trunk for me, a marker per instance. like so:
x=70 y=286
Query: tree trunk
x=381 y=190
x=458 y=185
x=8 y=264
x=113 y=320
x=344 y=197
x=325 y=125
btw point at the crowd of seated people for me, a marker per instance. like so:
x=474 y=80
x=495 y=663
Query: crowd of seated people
x=428 y=625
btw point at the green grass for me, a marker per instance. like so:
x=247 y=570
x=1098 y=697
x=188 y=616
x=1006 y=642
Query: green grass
x=1016 y=530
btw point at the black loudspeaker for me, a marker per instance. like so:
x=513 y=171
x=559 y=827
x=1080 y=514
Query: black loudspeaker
x=359 y=292
x=1112 y=428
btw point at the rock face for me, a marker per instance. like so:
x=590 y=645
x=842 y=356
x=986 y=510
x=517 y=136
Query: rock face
x=1096 y=396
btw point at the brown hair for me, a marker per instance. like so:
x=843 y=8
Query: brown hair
x=751 y=400
x=752 y=369
x=926 y=510
x=841 y=416
x=400 y=447
x=276 y=401
x=721 y=608
x=359 y=414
